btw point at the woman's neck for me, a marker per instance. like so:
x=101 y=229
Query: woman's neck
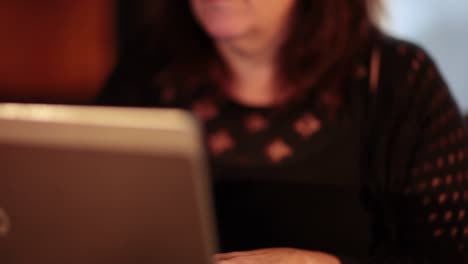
x=252 y=62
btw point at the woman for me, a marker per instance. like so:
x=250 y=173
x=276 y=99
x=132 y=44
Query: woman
x=329 y=142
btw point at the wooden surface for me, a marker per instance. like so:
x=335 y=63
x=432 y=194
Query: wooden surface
x=55 y=50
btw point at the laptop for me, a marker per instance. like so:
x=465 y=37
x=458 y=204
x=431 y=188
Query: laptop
x=98 y=185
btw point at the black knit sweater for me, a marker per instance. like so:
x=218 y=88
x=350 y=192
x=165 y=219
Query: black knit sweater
x=385 y=181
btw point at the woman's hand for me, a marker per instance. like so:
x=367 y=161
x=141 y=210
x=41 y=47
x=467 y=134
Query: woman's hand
x=276 y=256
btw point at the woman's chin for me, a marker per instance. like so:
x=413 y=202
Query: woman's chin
x=225 y=33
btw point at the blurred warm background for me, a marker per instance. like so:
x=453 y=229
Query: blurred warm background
x=55 y=50
x=62 y=50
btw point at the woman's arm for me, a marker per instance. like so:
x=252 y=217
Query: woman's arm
x=420 y=156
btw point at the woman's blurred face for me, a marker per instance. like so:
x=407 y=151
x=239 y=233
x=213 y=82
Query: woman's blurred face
x=232 y=19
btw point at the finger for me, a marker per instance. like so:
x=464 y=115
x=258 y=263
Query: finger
x=226 y=256
x=237 y=254
x=216 y=260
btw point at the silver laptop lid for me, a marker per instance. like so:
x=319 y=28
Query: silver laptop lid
x=86 y=184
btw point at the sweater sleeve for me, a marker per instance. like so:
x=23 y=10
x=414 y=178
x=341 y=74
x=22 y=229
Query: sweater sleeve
x=420 y=161
x=432 y=210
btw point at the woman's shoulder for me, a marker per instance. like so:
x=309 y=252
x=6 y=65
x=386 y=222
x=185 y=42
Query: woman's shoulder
x=140 y=50
x=400 y=56
x=405 y=69
x=129 y=83
x=407 y=82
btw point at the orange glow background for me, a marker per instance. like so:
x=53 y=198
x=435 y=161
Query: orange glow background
x=55 y=50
